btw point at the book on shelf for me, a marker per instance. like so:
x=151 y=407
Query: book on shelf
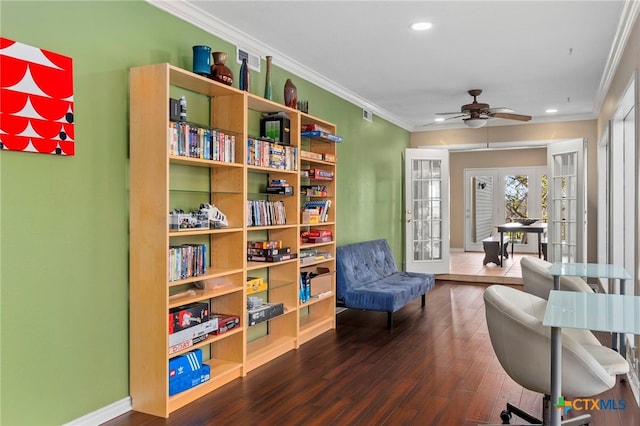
x=187 y=260
x=273 y=155
x=193 y=141
x=266 y=213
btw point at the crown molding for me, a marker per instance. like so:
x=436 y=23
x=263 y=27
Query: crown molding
x=195 y=16
x=629 y=15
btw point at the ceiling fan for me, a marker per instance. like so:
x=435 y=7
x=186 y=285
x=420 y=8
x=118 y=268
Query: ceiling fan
x=476 y=114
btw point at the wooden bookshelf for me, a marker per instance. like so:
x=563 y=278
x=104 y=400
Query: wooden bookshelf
x=161 y=181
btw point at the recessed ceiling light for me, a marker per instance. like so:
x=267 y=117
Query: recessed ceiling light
x=439 y=119
x=420 y=26
x=551 y=111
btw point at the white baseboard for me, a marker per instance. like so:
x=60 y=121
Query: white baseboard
x=104 y=414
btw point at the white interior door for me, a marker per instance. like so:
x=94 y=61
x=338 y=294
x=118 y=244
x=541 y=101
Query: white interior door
x=566 y=205
x=427 y=210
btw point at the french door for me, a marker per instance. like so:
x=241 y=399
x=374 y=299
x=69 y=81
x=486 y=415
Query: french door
x=494 y=196
x=427 y=210
x=567 y=226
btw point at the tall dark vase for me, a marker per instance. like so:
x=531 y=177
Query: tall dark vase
x=219 y=71
x=267 y=84
x=244 y=76
x=290 y=94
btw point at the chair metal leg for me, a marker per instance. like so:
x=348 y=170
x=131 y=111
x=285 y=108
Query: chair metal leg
x=522 y=414
x=389 y=320
x=424 y=300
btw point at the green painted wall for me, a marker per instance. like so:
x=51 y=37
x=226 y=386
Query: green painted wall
x=64 y=220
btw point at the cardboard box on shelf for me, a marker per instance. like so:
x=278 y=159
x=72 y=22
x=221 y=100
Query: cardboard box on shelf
x=322 y=282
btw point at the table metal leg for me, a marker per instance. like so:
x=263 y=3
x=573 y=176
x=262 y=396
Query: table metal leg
x=501 y=248
x=623 y=349
x=556 y=374
x=556 y=366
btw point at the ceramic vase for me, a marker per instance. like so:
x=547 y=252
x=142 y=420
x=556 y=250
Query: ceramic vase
x=244 y=76
x=267 y=84
x=290 y=94
x=219 y=71
x=202 y=60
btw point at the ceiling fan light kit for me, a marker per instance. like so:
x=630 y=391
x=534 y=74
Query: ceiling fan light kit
x=475 y=123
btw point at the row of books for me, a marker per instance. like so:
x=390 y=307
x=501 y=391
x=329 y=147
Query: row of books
x=187 y=260
x=320 y=207
x=188 y=140
x=265 y=213
x=268 y=154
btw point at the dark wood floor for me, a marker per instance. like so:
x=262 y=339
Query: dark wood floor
x=436 y=367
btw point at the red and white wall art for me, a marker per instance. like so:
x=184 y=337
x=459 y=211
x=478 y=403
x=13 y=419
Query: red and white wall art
x=36 y=100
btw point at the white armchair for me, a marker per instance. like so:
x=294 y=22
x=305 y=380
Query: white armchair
x=523 y=348
x=537 y=281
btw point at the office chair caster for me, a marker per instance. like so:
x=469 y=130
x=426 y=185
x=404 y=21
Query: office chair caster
x=505 y=416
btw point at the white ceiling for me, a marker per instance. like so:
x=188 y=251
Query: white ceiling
x=525 y=55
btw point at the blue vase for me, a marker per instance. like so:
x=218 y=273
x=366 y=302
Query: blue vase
x=202 y=60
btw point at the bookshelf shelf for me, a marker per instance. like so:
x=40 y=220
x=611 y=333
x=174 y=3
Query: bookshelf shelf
x=161 y=181
x=203 y=231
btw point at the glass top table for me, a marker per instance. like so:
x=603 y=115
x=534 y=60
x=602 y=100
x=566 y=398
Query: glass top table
x=616 y=313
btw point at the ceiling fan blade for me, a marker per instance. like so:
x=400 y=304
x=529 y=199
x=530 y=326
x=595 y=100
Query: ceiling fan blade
x=457 y=116
x=509 y=116
x=501 y=109
x=447 y=113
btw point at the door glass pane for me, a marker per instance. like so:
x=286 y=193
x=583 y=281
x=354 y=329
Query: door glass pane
x=516 y=197
x=544 y=191
x=427 y=203
x=565 y=207
x=516 y=202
